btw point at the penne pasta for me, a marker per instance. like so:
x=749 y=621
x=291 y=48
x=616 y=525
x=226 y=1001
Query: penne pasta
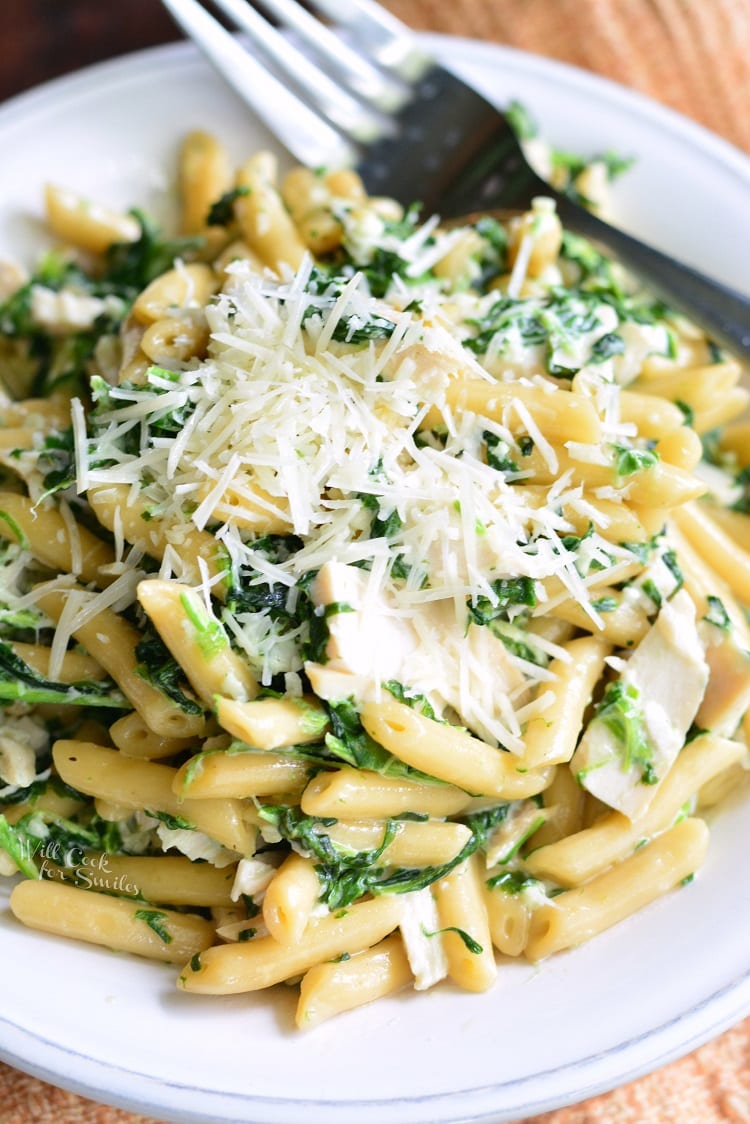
x=465 y=927
x=448 y=753
x=84 y=224
x=406 y=565
x=133 y=738
x=582 y=855
x=242 y=775
x=273 y=723
x=551 y=738
x=112 y=641
x=205 y=174
x=52 y=539
x=353 y=793
x=560 y=414
x=260 y=963
x=730 y=561
x=509 y=918
x=581 y=913
x=164 y=879
x=329 y=989
x=262 y=216
x=196 y=639
x=289 y=901
x=114 y=506
x=113 y=922
x=412 y=844
x=146 y=786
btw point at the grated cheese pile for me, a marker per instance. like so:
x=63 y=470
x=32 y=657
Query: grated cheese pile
x=308 y=418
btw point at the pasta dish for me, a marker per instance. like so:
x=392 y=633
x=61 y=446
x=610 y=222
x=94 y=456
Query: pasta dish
x=371 y=591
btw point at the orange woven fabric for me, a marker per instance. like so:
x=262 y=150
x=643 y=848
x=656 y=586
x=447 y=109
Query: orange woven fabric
x=693 y=55
x=710 y=1086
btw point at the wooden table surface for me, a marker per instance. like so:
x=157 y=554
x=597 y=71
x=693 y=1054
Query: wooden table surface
x=693 y=55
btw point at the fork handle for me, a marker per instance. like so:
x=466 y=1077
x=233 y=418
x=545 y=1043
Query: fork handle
x=722 y=312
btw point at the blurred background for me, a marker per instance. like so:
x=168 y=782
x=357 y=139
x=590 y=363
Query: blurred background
x=693 y=55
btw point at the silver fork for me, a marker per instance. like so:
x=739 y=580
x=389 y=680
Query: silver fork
x=414 y=131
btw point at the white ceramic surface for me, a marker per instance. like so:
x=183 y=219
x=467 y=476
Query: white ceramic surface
x=115 y=1028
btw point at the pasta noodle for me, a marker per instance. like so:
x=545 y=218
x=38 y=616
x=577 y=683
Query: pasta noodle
x=329 y=989
x=372 y=597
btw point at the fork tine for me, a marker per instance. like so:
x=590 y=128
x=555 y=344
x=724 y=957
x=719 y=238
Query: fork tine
x=384 y=38
x=298 y=127
x=375 y=86
x=333 y=103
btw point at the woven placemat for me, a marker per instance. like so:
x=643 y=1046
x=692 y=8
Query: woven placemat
x=711 y=1086
x=694 y=56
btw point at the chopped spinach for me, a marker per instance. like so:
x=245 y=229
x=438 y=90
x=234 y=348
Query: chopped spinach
x=20 y=847
x=349 y=741
x=507 y=592
x=513 y=882
x=210 y=636
x=380 y=528
x=521 y=121
x=155 y=919
x=48 y=836
x=669 y=558
x=131 y=266
x=20 y=683
x=471 y=944
x=621 y=714
x=498 y=453
x=221 y=213
x=159 y=668
x=414 y=700
x=607 y=346
x=606 y=604
x=717 y=614
x=628 y=461
x=345 y=876
x=172 y=823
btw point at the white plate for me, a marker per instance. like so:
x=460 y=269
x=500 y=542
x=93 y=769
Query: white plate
x=115 y=1028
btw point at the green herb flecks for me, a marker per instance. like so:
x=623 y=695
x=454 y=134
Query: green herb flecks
x=209 y=634
x=346 y=876
x=513 y=882
x=717 y=614
x=158 y=667
x=606 y=347
x=20 y=847
x=20 y=683
x=155 y=919
x=628 y=461
x=172 y=823
x=473 y=946
x=221 y=213
x=349 y=741
x=499 y=453
x=507 y=593
x=130 y=266
x=620 y=712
